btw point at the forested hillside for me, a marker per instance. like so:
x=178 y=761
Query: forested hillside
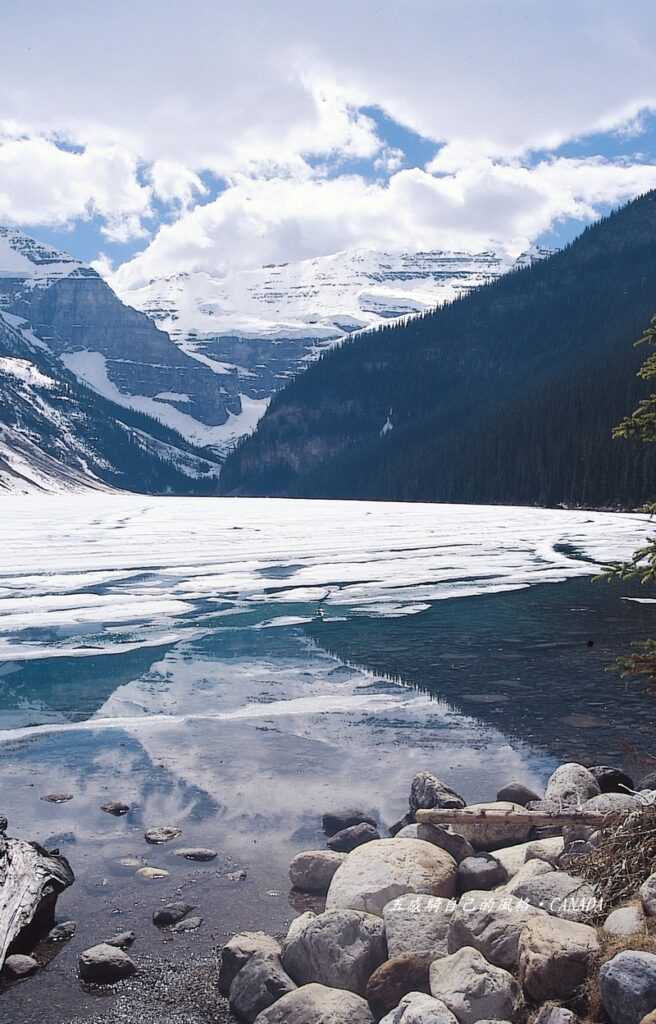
x=506 y=395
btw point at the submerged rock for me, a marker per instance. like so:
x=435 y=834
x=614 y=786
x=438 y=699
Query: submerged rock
x=116 y=808
x=57 y=798
x=162 y=834
x=152 y=874
x=62 y=932
x=196 y=853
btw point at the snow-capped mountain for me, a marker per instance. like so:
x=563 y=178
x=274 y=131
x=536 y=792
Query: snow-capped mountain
x=259 y=327
x=114 y=349
x=87 y=384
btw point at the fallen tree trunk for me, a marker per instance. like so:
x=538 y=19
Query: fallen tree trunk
x=465 y=816
x=31 y=879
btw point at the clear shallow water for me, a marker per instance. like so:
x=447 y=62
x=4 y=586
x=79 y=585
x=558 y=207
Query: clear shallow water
x=164 y=652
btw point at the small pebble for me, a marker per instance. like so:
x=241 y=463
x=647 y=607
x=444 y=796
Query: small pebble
x=122 y=940
x=57 y=798
x=152 y=873
x=188 y=925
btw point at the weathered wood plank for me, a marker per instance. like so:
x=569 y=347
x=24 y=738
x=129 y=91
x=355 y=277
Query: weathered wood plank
x=464 y=816
x=31 y=879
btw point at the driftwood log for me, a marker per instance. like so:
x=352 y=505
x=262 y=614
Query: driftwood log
x=31 y=879
x=465 y=816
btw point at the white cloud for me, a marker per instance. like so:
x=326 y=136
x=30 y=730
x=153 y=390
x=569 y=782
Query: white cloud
x=41 y=183
x=481 y=204
x=270 y=97
x=174 y=183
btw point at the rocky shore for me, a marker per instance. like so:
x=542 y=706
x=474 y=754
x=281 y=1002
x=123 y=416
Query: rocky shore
x=492 y=921
x=534 y=907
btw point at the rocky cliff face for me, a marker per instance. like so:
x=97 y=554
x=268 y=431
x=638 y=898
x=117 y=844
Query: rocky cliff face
x=57 y=435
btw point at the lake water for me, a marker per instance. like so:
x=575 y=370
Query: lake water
x=166 y=652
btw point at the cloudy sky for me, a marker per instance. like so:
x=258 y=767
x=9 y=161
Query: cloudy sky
x=154 y=136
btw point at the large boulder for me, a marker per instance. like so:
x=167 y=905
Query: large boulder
x=427 y=792
x=560 y=894
x=317 y=1004
x=626 y=920
x=378 y=872
x=489 y=835
x=611 y=780
x=439 y=835
x=517 y=793
x=491 y=924
x=105 y=964
x=628 y=986
x=313 y=870
x=482 y=871
x=395 y=979
x=648 y=895
x=237 y=952
x=552 y=1013
x=529 y=870
x=340 y=948
x=555 y=957
x=549 y=849
x=612 y=803
x=259 y=984
x=20 y=966
x=336 y=821
x=514 y=857
x=416 y=923
x=355 y=835
x=571 y=784
x=474 y=989
x=418 y=1008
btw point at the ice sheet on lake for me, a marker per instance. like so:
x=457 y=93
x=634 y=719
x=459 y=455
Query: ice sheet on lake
x=88 y=574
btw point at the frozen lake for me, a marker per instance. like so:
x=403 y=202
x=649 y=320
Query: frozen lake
x=166 y=652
